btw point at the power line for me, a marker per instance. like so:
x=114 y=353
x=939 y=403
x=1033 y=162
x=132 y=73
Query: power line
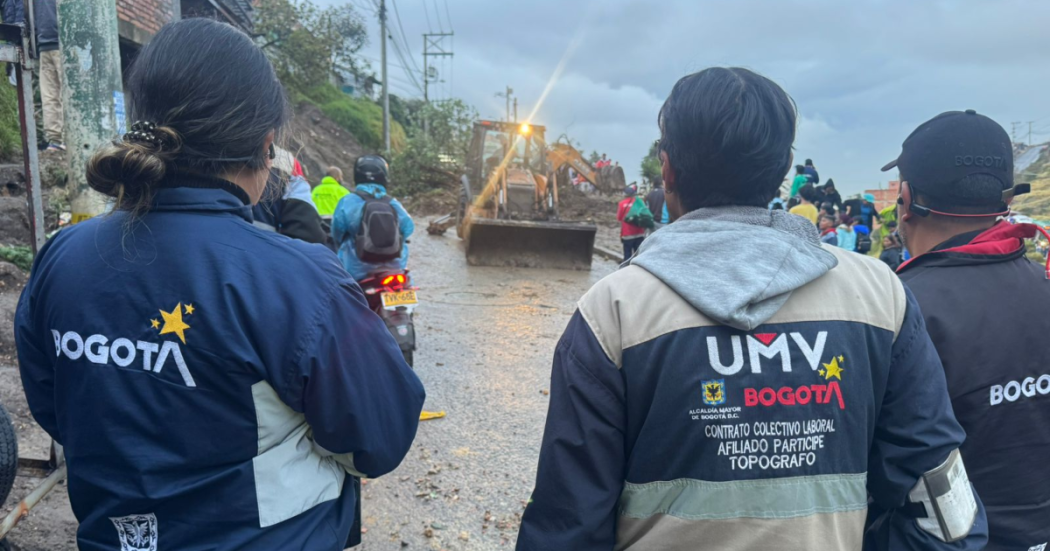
x=426 y=13
x=376 y=59
x=401 y=56
x=404 y=37
x=365 y=6
x=437 y=16
x=448 y=15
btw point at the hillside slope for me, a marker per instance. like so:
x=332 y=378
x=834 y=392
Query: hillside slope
x=319 y=142
x=1037 y=203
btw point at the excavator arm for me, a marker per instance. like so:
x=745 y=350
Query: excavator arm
x=561 y=154
x=609 y=179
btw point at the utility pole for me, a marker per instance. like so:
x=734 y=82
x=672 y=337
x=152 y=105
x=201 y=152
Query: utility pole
x=1030 y=133
x=507 y=95
x=386 y=87
x=92 y=92
x=509 y=92
x=433 y=46
x=1013 y=131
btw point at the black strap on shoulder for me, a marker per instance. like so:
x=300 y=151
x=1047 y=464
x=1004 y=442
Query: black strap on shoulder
x=369 y=197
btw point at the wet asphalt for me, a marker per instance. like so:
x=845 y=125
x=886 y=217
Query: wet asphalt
x=486 y=337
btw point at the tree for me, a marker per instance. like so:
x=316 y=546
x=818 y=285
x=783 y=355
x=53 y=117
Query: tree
x=436 y=157
x=651 y=163
x=406 y=111
x=307 y=45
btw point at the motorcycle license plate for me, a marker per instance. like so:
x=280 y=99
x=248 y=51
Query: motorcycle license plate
x=401 y=298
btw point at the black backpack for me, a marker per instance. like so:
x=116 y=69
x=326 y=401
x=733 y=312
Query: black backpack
x=863 y=243
x=379 y=237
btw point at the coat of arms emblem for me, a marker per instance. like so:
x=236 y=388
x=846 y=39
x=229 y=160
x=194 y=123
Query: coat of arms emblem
x=137 y=532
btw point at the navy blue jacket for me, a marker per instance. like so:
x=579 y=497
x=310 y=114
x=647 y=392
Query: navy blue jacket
x=214 y=384
x=12 y=11
x=986 y=307
x=670 y=430
x=45 y=19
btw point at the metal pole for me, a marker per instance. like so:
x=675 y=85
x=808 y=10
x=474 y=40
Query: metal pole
x=21 y=510
x=426 y=72
x=27 y=120
x=386 y=87
x=515 y=109
x=92 y=91
x=509 y=92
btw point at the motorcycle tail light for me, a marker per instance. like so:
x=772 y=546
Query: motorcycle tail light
x=388 y=279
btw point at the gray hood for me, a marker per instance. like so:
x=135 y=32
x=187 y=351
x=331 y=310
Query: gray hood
x=737 y=265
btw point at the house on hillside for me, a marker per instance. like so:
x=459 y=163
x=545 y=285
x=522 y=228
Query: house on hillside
x=139 y=20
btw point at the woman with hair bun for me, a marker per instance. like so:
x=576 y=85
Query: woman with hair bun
x=215 y=385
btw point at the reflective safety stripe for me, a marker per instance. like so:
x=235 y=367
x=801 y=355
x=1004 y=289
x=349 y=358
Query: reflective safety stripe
x=773 y=498
x=291 y=474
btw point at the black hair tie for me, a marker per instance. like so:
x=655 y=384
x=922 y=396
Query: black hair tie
x=143 y=132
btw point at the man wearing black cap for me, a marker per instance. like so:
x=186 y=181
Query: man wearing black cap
x=986 y=308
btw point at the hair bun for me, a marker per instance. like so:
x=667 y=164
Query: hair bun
x=128 y=169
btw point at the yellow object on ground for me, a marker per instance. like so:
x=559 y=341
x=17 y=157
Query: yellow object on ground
x=428 y=415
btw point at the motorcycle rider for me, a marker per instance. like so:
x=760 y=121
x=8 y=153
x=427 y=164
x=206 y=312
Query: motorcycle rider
x=986 y=306
x=370 y=176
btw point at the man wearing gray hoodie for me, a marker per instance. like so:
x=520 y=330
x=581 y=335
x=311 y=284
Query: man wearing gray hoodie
x=738 y=385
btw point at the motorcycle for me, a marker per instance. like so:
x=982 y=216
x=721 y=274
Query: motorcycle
x=391 y=296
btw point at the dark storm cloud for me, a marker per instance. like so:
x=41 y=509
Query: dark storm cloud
x=864 y=73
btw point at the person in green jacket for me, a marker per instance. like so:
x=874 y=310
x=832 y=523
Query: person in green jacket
x=328 y=193
x=800 y=180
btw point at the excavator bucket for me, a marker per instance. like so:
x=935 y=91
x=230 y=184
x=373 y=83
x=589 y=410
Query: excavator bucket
x=530 y=244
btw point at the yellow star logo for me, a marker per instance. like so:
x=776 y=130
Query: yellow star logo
x=173 y=323
x=155 y=323
x=833 y=369
x=190 y=308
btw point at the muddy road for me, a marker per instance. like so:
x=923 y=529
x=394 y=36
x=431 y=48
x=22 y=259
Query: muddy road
x=486 y=337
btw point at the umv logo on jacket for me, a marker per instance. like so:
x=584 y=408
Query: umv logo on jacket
x=773 y=347
x=99 y=349
x=765 y=345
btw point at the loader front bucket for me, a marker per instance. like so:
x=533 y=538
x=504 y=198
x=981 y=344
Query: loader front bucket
x=530 y=244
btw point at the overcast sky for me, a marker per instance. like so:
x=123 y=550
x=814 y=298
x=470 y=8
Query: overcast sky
x=864 y=73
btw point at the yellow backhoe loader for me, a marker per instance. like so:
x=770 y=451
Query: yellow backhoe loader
x=508 y=207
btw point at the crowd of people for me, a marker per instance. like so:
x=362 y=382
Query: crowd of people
x=737 y=384
x=854 y=224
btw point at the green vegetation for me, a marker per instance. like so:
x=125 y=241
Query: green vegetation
x=10 y=132
x=361 y=117
x=651 y=163
x=19 y=256
x=434 y=158
x=308 y=46
x=1037 y=203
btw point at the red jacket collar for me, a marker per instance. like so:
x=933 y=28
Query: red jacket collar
x=1000 y=239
